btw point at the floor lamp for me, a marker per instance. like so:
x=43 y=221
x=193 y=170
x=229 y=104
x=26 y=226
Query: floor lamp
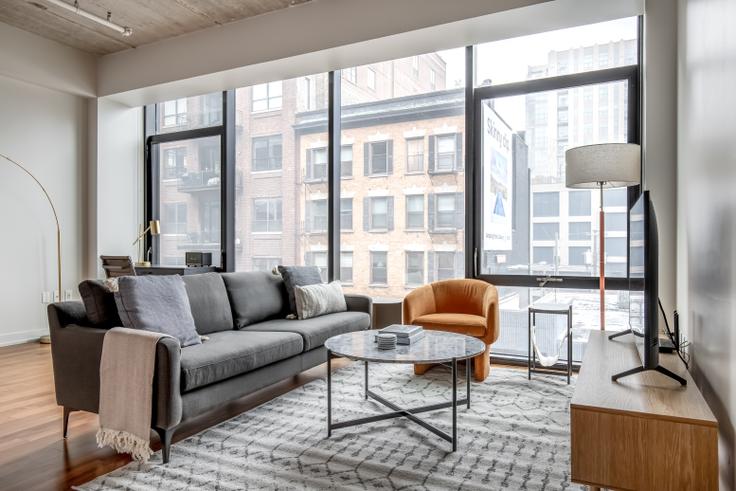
x=605 y=165
x=45 y=339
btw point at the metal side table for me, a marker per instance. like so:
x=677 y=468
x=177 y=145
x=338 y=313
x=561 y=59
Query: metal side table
x=552 y=309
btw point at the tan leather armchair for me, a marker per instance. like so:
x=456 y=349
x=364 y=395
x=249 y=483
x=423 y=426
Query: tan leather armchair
x=463 y=306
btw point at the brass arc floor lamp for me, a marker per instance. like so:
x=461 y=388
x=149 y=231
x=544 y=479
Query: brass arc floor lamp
x=603 y=165
x=45 y=339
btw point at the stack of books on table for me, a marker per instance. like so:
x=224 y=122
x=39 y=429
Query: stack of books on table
x=405 y=334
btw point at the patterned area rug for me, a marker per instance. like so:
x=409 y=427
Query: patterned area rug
x=514 y=436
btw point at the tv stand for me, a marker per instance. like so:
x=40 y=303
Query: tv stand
x=658 y=368
x=647 y=432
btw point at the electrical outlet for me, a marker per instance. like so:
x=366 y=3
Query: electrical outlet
x=68 y=295
x=57 y=297
x=45 y=297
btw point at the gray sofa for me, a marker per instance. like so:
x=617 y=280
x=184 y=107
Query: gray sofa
x=251 y=345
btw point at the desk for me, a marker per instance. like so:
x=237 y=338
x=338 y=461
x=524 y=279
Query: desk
x=643 y=432
x=169 y=270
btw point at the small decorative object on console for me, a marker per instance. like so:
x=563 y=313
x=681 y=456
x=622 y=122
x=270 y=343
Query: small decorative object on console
x=198 y=259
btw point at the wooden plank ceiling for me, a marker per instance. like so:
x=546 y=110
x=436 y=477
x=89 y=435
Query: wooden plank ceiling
x=151 y=20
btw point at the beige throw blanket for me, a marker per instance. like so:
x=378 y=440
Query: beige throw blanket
x=126 y=381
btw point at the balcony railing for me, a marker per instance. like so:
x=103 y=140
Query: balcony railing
x=205 y=181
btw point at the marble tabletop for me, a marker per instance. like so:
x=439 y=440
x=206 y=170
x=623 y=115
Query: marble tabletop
x=434 y=347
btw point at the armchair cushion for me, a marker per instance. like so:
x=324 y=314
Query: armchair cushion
x=472 y=325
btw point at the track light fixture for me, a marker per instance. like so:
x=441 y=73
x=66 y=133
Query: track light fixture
x=107 y=22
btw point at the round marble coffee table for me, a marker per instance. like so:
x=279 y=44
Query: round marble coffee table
x=435 y=347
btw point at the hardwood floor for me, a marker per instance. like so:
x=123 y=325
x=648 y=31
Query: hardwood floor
x=33 y=454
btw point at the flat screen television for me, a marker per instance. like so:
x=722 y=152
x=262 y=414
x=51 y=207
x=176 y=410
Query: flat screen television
x=643 y=299
x=643 y=273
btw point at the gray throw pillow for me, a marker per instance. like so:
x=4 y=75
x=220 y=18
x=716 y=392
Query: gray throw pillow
x=298 y=276
x=158 y=304
x=99 y=303
x=321 y=299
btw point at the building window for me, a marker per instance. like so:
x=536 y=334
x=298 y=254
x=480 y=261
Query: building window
x=346 y=161
x=446 y=212
x=615 y=197
x=579 y=203
x=415 y=66
x=414 y=155
x=319 y=259
x=616 y=222
x=212 y=109
x=350 y=74
x=175 y=160
x=266 y=153
x=316 y=164
x=379 y=268
x=445 y=265
x=267 y=97
x=616 y=246
x=546 y=204
x=578 y=256
x=316 y=219
x=174 y=218
x=267 y=215
x=546 y=231
x=378 y=158
x=370 y=78
x=432 y=79
x=414 y=268
x=346 y=267
x=415 y=212
x=379 y=214
x=445 y=153
x=544 y=255
x=346 y=214
x=579 y=231
x=175 y=112
x=265 y=264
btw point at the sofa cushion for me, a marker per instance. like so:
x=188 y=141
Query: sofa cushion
x=99 y=302
x=298 y=276
x=229 y=353
x=158 y=304
x=209 y=302
x=317 y=330
x=255 y=296
x=472 y=325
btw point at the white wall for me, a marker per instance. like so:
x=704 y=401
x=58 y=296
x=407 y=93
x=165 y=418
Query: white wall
x=327 y=35
x=116 y=180
x=660 y=134
x=47 y=131
x=707 y=207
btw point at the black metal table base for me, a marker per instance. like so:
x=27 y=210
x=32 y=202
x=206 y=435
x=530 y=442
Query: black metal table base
x=399 y=412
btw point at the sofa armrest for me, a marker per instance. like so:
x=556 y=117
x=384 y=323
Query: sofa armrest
x=359 y=303
x=61 y=314
x=167 y=406
x=75 y=352
x=491 y=312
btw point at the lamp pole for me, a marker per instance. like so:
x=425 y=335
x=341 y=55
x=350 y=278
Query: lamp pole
x=602 y=258
x=45 y=339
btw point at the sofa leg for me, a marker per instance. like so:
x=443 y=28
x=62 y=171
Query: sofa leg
x=65 y=428
x=482 y=365
x=421 y=368
x=165 y=436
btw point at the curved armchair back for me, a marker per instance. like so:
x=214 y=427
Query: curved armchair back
x=462 y=296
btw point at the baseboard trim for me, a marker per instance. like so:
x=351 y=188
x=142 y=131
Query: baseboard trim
x=20 y=337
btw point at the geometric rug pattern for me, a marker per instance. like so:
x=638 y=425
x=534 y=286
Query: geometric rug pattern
x=515 y=436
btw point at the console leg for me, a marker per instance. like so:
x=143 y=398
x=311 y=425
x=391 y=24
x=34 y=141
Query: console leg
x=618 y=334
x=165 y=436
x=67 y=411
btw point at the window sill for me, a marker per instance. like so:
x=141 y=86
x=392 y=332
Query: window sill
x=443 y=231
x=316 y=233
x=377 y=285
x=266 y=233
x=266 y=173
x=346 y=178
x=418 y=229
x=378 y=175
x=315 y=181
x=379 y=231
x=415 y=173
x=443 y=172
x=266 y=112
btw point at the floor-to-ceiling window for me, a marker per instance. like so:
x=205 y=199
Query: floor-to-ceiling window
x=256 y=175
x=536 y=97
